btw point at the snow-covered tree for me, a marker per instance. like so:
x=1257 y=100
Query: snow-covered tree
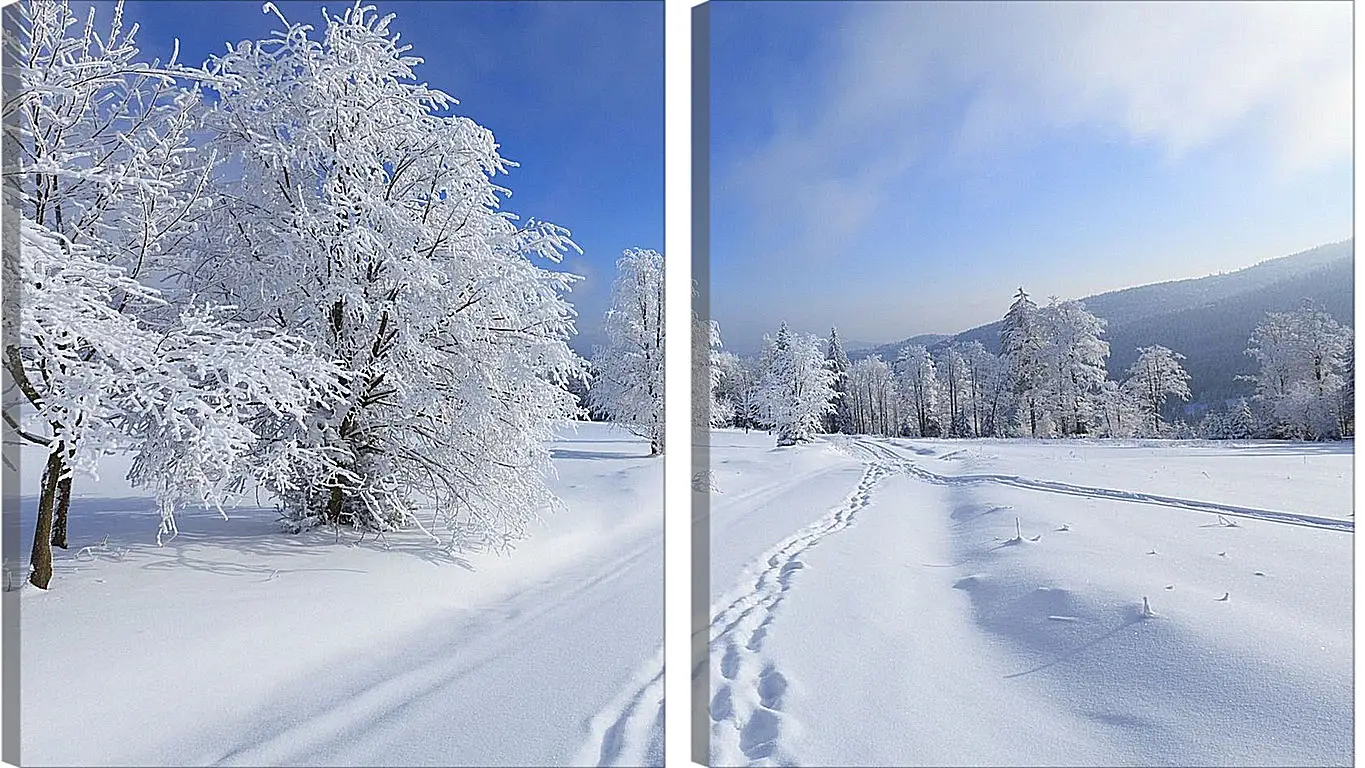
x=1303 y=357
x=990 y=396
x=1347 y=396
x=771 y=356
x=797 y=386
x=707 y=410
x=730 y=372
x=1074 y=355
x=955 y=387
x=629 y=386
x=1117 y=410
x=362 y=215
x=1021 y=346
x=1241 y=421
x=1329 y=354
x=1213 y=426
x=1155 y=377
x=917 y=381
x=578 y=386
x=837 y=359
x=109 y=187
x=740 y=386
x=875 y=406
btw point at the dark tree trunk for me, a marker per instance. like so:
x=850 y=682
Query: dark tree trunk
x=40 y=560
x=334 y=505
x=61 y=505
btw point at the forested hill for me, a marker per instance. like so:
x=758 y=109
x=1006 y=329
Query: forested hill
x=1207 y=319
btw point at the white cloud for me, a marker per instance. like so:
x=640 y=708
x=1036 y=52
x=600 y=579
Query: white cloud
x=1178 y=76
x=1181 y=75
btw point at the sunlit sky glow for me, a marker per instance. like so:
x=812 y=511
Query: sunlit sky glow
x=900 y=168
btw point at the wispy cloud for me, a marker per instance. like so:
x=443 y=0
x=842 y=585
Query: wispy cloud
x=1179 y=77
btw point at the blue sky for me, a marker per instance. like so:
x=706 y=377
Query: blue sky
x=897 y=168
x=572 y=91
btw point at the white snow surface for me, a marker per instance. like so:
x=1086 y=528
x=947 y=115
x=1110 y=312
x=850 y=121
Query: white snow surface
x=873 y=605
x=234 y=643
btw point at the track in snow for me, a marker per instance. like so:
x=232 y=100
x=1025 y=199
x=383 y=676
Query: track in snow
x=426 y=677
x=881 y=452
x=746 y=707
x=630 y=730
x=747 y=702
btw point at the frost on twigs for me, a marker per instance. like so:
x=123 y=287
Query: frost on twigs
x=307 y=285
x=113 y=188
x=364 y=219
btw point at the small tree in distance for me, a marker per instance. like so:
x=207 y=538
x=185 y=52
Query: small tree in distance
x=797 y=386
x=1155 y=377
x=1021 y=347
x=1306 y=362
x=629 y=387
x=840 y=419
x=917 y=378
x=707 y=409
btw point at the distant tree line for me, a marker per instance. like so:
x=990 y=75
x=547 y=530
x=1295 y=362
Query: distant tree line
x=1049 y=380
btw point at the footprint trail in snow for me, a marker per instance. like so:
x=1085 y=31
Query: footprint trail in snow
x=750 y=710
x=748 y=688
x=747 y=718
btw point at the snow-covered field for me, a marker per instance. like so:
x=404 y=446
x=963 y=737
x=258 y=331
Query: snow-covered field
x=874 y=605
x=234 y=643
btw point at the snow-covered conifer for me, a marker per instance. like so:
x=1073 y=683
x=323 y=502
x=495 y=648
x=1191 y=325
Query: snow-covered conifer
x=731 y=375
x=707 y=410
x=1021 y=347
x=837 y=359
x=1214 y=426
x=1241 y=421
x=797 y=386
